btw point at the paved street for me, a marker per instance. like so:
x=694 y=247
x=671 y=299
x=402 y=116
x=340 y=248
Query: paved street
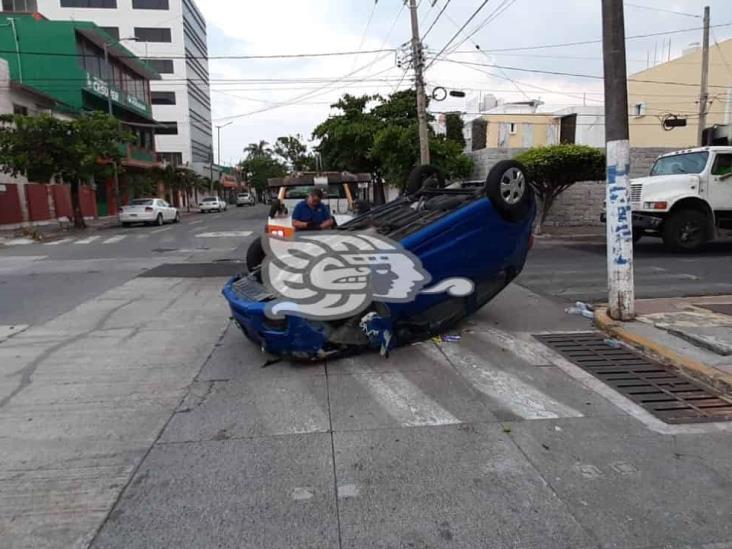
x=133 y=414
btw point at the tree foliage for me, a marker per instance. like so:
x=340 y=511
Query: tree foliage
x=260 y=164
x=454 y=128
x=294 y=153
x=555 y=168
x=376 y=135
x=44 y=147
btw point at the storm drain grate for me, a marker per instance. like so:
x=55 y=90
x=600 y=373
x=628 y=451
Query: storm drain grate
x=667 y=395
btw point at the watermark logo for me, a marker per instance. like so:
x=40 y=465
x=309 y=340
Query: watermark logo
x=334 y=275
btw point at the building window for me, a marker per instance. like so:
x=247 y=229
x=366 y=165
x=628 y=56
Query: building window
x=163 y=66
x=20 y=5
x=20 y=109
x=166 y=128
x=111 y=31
x=109 y=4
x=639 y=109
x=175 y=159
x=150 y=4
x=163 y=98
x=512 y=128
x=153 y=34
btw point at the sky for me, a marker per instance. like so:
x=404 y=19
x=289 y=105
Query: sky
x=268 y=98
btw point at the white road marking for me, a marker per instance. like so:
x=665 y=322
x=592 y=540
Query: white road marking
x=226 y=234
x=196 y=222
x=403 y=401
x=115 y=239
x=19 y=242
x=516 y=395
x=347 y=491
x=141 y=236
x=156 y=231
x=59 y=242
x=9 y=331
x=301 y=493
x=88 y=240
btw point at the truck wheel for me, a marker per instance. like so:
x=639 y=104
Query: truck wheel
x=685 y=231
x=509 y=190
x=255 y=255
x=420 y=176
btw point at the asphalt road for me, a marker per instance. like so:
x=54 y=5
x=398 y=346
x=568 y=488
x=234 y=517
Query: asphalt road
x=577 y=271
x=133 y=414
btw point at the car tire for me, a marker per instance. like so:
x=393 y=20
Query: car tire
x=420 y=175
x=159 y=221
x=255 y=254
x=508 y=189
x=126 y=225
x=685 y=231
x=176 y=219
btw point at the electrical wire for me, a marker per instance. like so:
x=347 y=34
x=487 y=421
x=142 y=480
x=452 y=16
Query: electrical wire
x=363 y=35
x=627 y=4
x=495 y=14
x=432 y=26
x=470 y=19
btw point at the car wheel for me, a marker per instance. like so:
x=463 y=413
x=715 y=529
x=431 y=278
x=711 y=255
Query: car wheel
x=176 y=219
x=685 y=231
x=126 y=224
x=424 y=176
x=159 y=220
x=255 y=254
x=509 y=190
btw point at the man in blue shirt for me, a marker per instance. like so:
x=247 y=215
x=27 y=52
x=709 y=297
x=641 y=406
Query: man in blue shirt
x=311 y=214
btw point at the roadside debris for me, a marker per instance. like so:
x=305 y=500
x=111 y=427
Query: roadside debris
x=613 y=343
x=582 y=309
x=450 y=338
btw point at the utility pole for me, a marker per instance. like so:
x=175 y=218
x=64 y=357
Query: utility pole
x=218 y=139
x=418 y=60
x=621 y=292
x=704 y=94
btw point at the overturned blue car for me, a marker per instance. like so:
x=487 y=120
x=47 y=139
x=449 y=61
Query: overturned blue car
x=405 y=271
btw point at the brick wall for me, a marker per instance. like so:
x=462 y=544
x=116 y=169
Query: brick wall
x=582 y=203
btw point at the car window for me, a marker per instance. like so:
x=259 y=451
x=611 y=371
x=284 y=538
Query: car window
x=333 y=191
x=689 y=163
x=722 y=165
x=211 y=199
x=141 y=202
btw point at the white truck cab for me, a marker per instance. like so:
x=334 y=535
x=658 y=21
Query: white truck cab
x=686 y=200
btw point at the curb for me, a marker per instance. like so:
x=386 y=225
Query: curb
x=707 y=375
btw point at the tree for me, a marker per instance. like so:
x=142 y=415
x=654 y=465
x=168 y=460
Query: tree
x=258 y=150
x=293 y=152
x=259 y=169
x=555 y=168
x=383 y=139
x=44 y=147
x=454 y=128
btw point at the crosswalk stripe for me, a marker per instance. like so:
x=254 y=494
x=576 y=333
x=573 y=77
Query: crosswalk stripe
x=516 y=395
x=59 y=242
x=88 y=240
x=115 y=239
x=404 y=402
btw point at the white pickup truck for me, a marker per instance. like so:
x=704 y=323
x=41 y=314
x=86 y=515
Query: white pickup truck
x=687 y=199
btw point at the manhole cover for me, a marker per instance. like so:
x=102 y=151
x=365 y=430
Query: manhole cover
x=194 y=270
x=667 y=395
x=719 y=308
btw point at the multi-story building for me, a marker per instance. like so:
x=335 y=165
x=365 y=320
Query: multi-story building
x=64 y=63
x=171 y=35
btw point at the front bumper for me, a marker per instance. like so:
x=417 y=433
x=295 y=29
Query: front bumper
x=641 y=221
x=294 y=337
x=212 y=208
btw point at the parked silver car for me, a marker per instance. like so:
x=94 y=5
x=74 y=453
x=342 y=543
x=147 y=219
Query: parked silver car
x=212 y=204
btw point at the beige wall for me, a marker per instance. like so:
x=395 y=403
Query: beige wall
x=661 y=99
x=531 y=130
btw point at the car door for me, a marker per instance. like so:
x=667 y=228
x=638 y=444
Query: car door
x=719 y=190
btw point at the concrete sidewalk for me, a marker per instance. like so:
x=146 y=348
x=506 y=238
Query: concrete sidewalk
x=691 y=334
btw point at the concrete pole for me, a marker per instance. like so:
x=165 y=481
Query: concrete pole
x=621 y=292
x=418 y=59
x=704 y=93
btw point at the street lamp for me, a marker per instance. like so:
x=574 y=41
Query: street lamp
x=218 y=139
x=110 y=108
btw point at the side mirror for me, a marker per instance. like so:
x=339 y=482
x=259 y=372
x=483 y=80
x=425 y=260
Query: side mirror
x=725 y=176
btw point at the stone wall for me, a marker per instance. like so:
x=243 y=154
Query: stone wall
x=582 y=203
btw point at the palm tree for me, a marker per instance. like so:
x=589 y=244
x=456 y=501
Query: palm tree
x=258 y=150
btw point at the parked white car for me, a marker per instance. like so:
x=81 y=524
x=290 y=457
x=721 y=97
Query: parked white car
x=212 y=204
x=148 y=210
x=244 y=199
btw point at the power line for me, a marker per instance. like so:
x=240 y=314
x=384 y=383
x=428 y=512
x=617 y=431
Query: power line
x=495 y=14
x=662 y=10
x=432 y=26
x=475 y=13
x=363 y=36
